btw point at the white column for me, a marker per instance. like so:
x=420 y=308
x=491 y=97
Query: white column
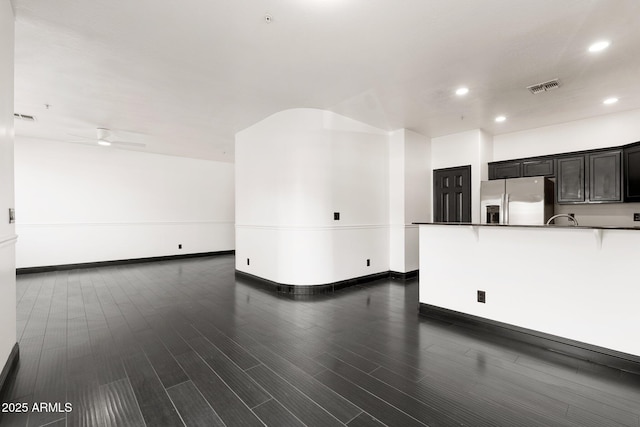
x=410 y=195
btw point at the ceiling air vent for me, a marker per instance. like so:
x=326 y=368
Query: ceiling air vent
x=543 y=87
x=24 y=117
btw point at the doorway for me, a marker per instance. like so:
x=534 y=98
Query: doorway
x=452 y=194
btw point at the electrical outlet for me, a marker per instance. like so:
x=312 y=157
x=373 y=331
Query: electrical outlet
x=636 y=216
x=247 y=261
x=482 y=297
x=179 y=245
x=336 y=216
x=368 y=263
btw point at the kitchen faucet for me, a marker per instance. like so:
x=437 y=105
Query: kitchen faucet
x=575 y=221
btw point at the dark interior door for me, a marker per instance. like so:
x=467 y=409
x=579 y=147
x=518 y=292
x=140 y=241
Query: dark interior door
x=452 y=194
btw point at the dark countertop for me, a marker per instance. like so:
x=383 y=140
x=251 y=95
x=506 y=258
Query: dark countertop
x=581 y=227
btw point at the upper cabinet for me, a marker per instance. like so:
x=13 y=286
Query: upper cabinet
x=605 y=176
x=594 y=176
x=522 y=168
x=570 y=180
x=503 y=170
x=538 y=167
x=631 y=183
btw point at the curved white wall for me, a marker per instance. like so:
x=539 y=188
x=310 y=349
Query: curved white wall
x=79 y=203
x=7 y=231
x=293 y=171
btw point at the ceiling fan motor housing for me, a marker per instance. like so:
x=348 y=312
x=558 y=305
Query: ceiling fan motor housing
x=103 y=133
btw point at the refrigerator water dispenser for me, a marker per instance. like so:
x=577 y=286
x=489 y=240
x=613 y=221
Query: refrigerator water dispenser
x=493 y=214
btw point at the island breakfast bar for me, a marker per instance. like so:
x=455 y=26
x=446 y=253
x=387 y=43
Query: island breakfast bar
x=570 y=289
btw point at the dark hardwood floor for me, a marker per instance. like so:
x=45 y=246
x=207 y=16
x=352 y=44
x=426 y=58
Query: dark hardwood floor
x=184 y=342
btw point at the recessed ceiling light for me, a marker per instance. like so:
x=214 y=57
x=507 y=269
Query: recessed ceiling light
x=104 y=143
x=500 y=119
x=609 y=101
x=598 y=46
x=462 y=91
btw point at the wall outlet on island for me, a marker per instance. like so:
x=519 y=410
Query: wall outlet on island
x=179 y=245
x=482 y=297
x=368 y=263
x=636 y=216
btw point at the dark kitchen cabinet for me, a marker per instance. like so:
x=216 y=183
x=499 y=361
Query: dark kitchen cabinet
x=632 y=173
x=593 y=177
x=522 y=168
x=570 y=180
x=605 y=176
x=505 y=170
x=610 y=175
x=538 y=167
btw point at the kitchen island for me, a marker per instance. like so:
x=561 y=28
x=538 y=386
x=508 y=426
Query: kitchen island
x=571 y=286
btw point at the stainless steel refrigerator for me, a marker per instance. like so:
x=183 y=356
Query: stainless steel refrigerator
x=517 y=201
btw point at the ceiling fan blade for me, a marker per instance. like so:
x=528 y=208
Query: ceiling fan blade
x=129 y=143
x=83 y=142
x=80 y=142
x=87 y=138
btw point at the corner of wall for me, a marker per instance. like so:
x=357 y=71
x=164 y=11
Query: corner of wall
x=8 y=336
x=410 y=196
x=291 y=171
x=486 y=154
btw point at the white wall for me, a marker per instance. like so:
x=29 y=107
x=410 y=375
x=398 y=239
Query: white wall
x=293 y=171
x=475 y=148
x=7 y=231
x=79 y=203
x=573 y=283
x=610 y=130
x=605 y=214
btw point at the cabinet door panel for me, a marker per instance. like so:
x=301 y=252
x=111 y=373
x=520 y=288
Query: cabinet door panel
x=570 y=180
x=605 y=176
x=632 y=174
x=505 y=170
x=537 y=167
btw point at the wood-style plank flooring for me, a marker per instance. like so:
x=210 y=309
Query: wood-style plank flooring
x=185 y=343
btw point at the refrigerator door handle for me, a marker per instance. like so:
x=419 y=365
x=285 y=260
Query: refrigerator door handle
x=506 y=208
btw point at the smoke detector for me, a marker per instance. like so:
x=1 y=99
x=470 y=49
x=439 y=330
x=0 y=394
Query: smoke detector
x=544 y=86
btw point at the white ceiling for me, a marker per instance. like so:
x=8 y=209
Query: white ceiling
x=184 y=77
